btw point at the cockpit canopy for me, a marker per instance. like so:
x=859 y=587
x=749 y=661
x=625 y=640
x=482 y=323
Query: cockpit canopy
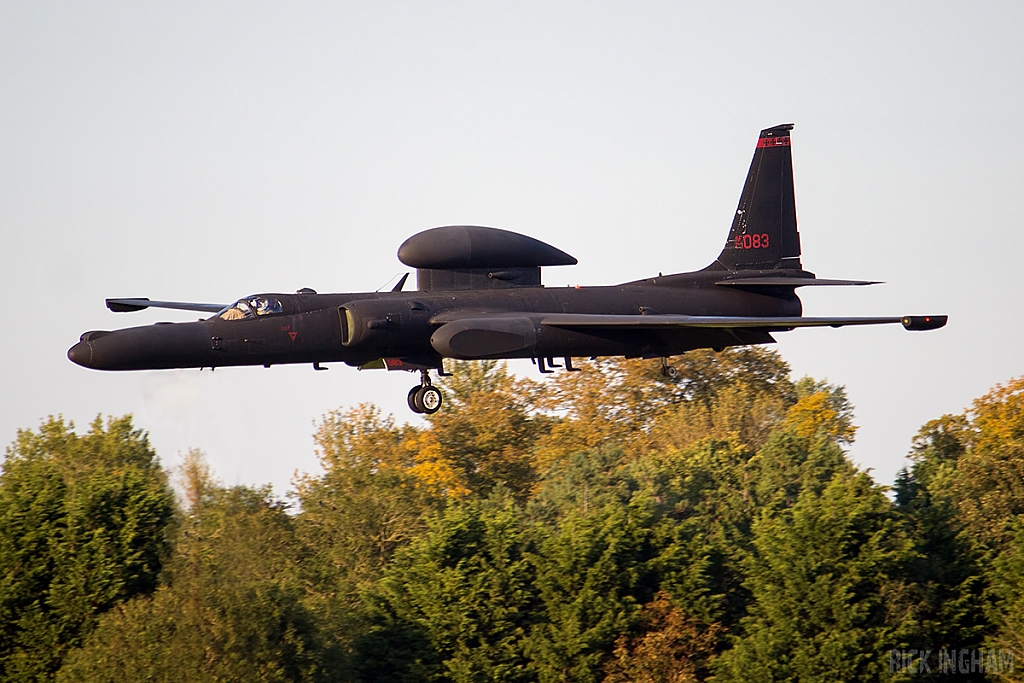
x=250 y=307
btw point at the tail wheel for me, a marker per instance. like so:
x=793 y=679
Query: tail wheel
x=428 y=399
x=414 y=406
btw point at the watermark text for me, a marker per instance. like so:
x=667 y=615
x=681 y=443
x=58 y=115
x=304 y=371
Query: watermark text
x=951 y=661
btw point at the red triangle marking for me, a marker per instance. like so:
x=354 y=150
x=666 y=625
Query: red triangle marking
x=293 y=335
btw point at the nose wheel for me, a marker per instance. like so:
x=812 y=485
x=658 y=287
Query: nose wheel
x=425 y=398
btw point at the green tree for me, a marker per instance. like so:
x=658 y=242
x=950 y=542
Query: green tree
x=83 y=527
x=974 y=462
x=232 y=607
x=789 y=464
x=1007 y=580
x=593 y=564
x=948 y=578
x=828 y=578
x=964 y=497
x=457 y=603
x=366 y=504
x=705 y=493
x=709 y=496
x=989 y=483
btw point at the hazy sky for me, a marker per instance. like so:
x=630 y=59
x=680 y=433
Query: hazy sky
x=203 y=151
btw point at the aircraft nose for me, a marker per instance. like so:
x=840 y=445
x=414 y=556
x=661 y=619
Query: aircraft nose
x=84 y=353
x=81 y=354
x=149 y=347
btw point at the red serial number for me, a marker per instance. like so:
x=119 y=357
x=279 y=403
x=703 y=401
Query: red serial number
x=755 y=241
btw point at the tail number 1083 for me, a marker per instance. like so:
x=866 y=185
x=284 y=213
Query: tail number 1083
x=755 y=241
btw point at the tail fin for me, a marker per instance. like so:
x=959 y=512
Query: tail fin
x=763 y=234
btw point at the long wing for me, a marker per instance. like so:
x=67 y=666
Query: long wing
x=793 y=282
x=141 y=303
x=653 y=322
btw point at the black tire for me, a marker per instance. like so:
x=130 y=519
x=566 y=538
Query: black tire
x=413 y=405
x=429 y=398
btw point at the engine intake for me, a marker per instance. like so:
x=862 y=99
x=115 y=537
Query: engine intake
x=386 y=323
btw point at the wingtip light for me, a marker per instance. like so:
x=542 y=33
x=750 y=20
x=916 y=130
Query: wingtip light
x=920 y=323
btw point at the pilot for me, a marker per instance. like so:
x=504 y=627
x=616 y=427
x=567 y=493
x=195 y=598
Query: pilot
x=239 y=311
x=266 y=306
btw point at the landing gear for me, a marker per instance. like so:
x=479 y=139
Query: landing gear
x=425 y=398
x=667 y=370
x=412 y=399
x=429 y=397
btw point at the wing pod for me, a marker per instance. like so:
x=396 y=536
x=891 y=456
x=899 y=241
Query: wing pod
x=492 y=337
x=141 y=303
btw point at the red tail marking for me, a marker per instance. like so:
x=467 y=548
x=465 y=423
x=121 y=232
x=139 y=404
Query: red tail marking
x=293 y=335
x=773 y=142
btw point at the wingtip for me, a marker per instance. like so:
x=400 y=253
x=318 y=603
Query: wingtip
x=921 y=323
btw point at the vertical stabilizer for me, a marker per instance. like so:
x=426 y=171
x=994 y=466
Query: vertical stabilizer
x=764 y=234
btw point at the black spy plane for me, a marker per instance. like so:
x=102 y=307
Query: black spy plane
x=480 y=296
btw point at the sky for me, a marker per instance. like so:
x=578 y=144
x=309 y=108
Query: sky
x=204 y=151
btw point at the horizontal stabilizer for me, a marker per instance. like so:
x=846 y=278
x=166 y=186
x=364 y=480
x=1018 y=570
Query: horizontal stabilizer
x=793 y=282
x=141 y=303
x=652 y=322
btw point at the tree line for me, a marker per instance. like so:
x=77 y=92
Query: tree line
x=606 y=525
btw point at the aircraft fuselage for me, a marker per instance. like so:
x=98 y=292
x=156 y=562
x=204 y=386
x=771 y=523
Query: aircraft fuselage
x=314 y=328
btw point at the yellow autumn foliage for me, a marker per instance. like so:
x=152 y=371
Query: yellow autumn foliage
x=432 y=469
x=818 y=415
